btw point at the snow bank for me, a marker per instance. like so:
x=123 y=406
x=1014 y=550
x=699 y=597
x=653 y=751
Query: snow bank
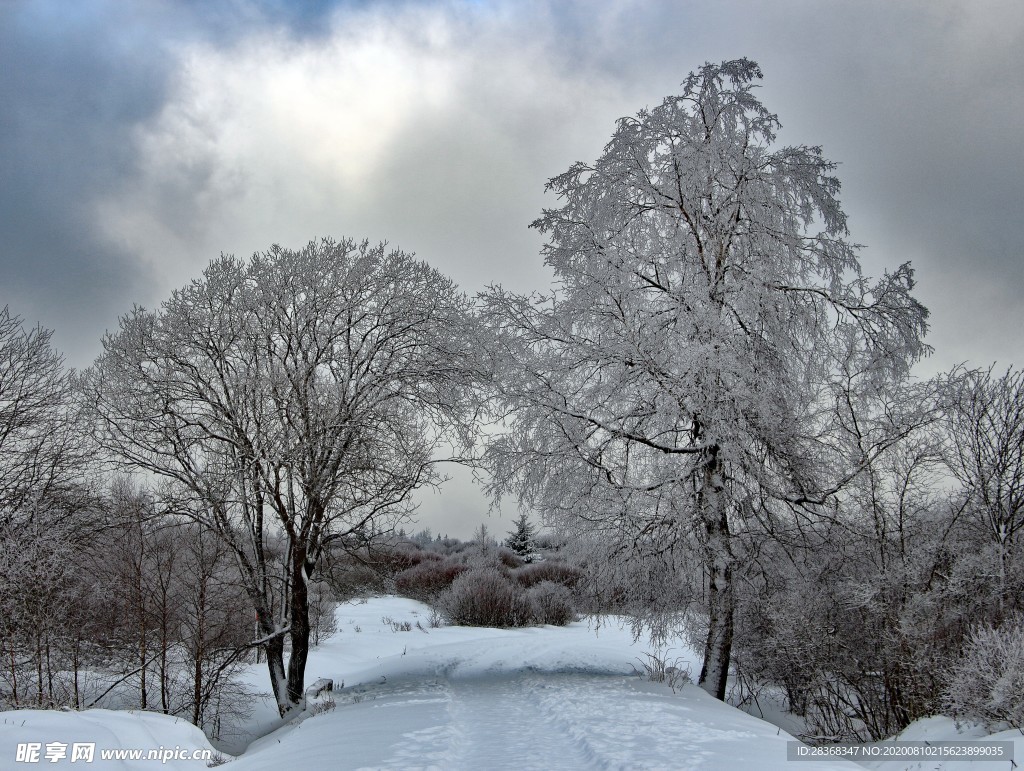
x=67 y=736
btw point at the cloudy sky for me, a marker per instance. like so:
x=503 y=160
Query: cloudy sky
x=141 y=138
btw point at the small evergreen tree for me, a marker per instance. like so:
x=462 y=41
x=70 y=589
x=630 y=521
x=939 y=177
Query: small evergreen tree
x=520 y=540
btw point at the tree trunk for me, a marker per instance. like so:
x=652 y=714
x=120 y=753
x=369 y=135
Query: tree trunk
x=74 y=667
x=200 y=653
x=197 y=688
x=143 y=695
x=49 y=670
x=39 y=668
x=718 y=646
x=714 y=672
x=165 y=703
x=299 y=612
x=278 y=682
x=267 y=628
x=14 y=674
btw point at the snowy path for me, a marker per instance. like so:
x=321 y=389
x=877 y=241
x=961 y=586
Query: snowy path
x=528 y=720
x=482 y=712
x=577 y=721
x=537 y=698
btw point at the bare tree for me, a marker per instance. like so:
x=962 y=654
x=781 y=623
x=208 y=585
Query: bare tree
x=41 y=495
x=985 y=424
x=213 y=636
x=36 y=590
x=297 y=393
x=680 y=379
x=854 y=611
x=40 y=449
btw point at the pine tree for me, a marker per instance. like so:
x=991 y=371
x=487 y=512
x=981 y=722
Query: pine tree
x=520 y=540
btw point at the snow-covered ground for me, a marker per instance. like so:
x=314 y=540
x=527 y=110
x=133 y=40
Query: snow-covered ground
x=464 y=698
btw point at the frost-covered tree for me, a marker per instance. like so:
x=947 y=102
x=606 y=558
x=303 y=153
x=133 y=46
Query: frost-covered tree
x=856 y=612
x=985 y=426
x=40 y=451
x=987 y=683
x=36 y=592
x=42 y=509
x=294 y=398
x=709 y=318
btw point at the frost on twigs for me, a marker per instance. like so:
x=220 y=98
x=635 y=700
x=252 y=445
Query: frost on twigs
x=987 y=684
x=658 y=669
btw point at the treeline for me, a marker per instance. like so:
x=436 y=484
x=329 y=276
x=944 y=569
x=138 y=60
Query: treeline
x=110 y=604
x=905 y=598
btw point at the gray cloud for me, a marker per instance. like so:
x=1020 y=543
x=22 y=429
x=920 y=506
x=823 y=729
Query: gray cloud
x=75 y=81
x=140 y=139
x=70 y=91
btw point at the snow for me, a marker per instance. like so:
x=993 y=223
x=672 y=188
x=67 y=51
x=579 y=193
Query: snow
x=107 y=729
x=533 y=698
x=942 y=729
x=464 y=698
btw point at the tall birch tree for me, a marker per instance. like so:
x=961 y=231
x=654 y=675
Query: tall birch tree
x=709 y=315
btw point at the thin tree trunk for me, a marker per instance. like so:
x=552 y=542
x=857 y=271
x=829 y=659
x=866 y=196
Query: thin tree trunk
x=197 y=690
x=49 y=671
x=714 y=672
x=74 y=666
x=14 y=674
x=39 y=668
x=200 y=651
x=143 y=700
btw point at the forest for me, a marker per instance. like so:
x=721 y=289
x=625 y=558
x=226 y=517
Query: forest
x=710 y=423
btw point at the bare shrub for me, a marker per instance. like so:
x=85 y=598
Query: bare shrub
x=552 y=603
x=549 y=570
x=350 y=575
x=396 y=626
x=485 y=597
x=393 y=560
x=987 y=683
x=322 y=605
x=658 y=670
x=428 y=579
x=509 y=558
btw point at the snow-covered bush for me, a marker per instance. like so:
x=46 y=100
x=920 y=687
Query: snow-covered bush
x=552 y=603
x=485 y=597
x=987 y=683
